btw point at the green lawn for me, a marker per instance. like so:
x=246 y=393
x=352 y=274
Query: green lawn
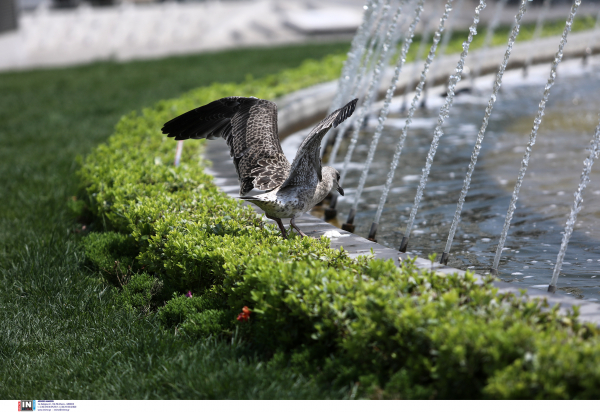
x=61 y=335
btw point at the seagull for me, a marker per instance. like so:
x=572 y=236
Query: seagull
x=249 y=126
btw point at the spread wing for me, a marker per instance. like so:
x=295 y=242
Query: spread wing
x=306 y=168
x=249 y=126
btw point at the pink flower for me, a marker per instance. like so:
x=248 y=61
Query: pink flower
x=189 y=294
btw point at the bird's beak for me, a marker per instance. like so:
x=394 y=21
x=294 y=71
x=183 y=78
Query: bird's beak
x=340 y=190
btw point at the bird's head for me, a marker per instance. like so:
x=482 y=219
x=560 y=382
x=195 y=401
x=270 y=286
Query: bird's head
x=333 y=175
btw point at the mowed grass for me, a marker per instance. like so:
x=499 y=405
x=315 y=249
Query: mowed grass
x=61 y=335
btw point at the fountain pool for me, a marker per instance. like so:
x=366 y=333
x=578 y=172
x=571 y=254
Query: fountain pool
x=546 y=196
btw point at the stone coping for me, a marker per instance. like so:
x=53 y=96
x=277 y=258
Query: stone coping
x=225 y=177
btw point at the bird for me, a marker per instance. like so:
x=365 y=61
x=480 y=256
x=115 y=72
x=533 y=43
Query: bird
x=249 y=126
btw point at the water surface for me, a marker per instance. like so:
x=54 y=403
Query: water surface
x=545 y=198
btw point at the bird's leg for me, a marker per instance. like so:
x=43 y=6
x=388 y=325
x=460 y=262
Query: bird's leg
x=280 y=224
x=296 y=227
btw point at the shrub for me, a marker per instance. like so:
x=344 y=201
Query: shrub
x=405 y=332
x=563 y=366
x=206 y=323
x=113 y=254
x=180 y=308
x=139 y=293
x=398 y=332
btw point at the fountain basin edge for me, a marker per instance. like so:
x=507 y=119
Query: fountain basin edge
x=303 y=108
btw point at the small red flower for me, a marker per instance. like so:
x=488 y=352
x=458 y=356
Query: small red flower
x=245 y=315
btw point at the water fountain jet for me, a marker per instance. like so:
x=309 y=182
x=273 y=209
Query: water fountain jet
x=481 y=134
x=487 y=41
x=443 y=115
x=354 y=91
x=385 y=110
x=533 y=136
x=372 y=89
x=373 y=143
x=594 y=151
x=444 y=45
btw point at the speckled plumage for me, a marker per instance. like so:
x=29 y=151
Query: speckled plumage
x=249 y=126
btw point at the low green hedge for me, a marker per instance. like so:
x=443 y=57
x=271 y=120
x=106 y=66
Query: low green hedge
x=178 y=247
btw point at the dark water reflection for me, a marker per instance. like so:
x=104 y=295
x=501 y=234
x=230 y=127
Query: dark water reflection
x=545 y=198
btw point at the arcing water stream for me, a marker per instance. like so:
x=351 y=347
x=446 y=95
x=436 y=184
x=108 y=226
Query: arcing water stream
x=443 y=115
x=388 y=98
x=533 y=135
x=370 y=95
x=594 y=151
x=385 y=110
x=481 y=134
x=355 y=78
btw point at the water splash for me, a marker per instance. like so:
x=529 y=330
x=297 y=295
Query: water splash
x=372 y=90
x=537 y=32
x=489 y=35
x=533 y=135
x=443 y=115
x=594 y=151
x=481 y=134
